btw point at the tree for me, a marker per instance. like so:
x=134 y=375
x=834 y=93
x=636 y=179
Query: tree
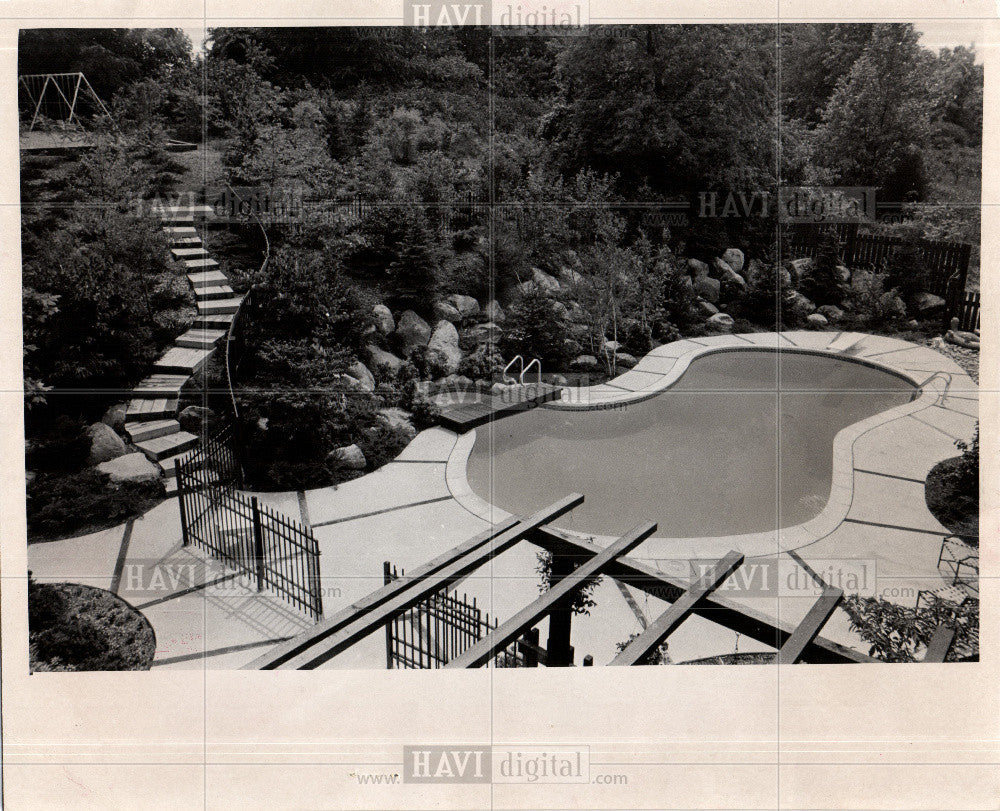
x=414 y=275
x=876 y=119
x=537 y=329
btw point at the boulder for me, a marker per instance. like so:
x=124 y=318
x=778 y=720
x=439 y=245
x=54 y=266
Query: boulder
x=485 y=333
x=105 y=444
x=831 y=312
x=467 y=306
x=350 y=456
x=115 y=416
x=446 y=311
x=734 y=258
x=376 y=356
x=707 y=288
x=800 y=268
x=843 y=274
x=799 y=304
x=697 y=268
x=569 y=276
x=196 y=419
x=625 y=359
x=816 y=321
x=913 y=323
x=927 y=305
x=363 y=375
x=29 y=477
x=413 y=331
x=584 y=362
x=494 y=312
x=707 y=308
x=132 y=467
x=384 y=322
x=753 y=269
x=398 y=419
x=611 y=346
x=544 y=280
x=445 y=340
x=720 y=322
x=894 y=305
x=725 y=273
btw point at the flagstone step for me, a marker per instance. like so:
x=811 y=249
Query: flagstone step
x=141 y=431
x=200 y=338
x=156 y=408
x=184 y=240
x=198 y=264
x=169 y=445
x=213 y=322
x=180 y=230
x=158 y=386
x=193 y=252
x=184 y=360
x=219 y=306
x=213 y=293
x=207 y=278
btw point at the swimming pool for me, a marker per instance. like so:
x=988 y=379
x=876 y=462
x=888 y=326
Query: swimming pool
x=741 y=443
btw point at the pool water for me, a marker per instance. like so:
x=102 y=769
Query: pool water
x=741 y=443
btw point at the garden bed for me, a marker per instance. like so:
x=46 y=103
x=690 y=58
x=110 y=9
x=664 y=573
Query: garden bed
x=73 y=627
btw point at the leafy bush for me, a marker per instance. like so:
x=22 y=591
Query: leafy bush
x=869 y=304
x=76 y=627
x=63 y=447
x=382 y=443
x=822 y=285
x=906 y=271
x=429 y=363
x=482 y=364
x=63 y=503
x=536 y=328
x=896 y=632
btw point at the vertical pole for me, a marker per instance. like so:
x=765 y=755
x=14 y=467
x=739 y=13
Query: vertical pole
x=559 y=651
x=258 y=542
x=180 y=501
x=588 y=661
x=387 y=578
x=531 y=649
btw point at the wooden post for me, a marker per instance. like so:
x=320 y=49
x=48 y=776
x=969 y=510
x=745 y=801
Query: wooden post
x=258 y=543
x=559 y=651
x=531 y=648
x=588 y=661
x=180 y=502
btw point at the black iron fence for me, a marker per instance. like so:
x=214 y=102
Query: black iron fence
x=273 y=551
x=444 y=626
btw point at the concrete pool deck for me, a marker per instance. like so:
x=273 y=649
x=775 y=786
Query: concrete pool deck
x=421 y=504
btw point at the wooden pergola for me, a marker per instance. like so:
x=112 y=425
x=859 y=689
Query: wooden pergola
x=575 y=561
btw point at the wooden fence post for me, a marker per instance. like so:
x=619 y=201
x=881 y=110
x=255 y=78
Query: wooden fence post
x=559 y=650
x=258 y=542
x=531 y=649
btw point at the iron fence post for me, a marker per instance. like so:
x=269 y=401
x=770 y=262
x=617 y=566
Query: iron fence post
x=180 y=501
x=387 y=578
x=258 y=542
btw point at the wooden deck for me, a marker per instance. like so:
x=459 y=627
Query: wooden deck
x=465 y=416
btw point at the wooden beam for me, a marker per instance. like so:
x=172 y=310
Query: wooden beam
x=940 y=644
x=276 y=655
x=810 y=626
x=333 y=636
x=729 y=613
x=487 y=647
x=667 y=622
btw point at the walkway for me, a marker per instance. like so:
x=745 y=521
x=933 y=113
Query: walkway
x=151 y=419
x=421 y=505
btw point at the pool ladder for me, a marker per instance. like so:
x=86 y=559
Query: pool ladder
x=534 y=362
x=947 y=385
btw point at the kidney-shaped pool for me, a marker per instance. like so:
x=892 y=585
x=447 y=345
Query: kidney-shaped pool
x=741 y=443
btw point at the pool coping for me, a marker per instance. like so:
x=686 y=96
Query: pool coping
x=682 y=353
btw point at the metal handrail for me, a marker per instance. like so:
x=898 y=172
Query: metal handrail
x=947 y=383
x=239 y=310
x=524 y=371
x=515 y=359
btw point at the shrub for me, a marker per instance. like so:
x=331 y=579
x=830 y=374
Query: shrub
x=63 y=447
x=429 y=364
x=869 y=304
x=964 y=477
x=536 y=328
x=482 y=364
x=823 y=286
x=906 y=271
x=382 y=443
x=63 y=503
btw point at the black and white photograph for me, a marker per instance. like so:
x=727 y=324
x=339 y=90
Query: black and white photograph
x=451 y=345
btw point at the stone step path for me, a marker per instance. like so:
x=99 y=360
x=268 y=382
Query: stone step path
x=141 y=431
x=151 y=415
x=211 y=293
x=207 y=278
x=200 y=338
